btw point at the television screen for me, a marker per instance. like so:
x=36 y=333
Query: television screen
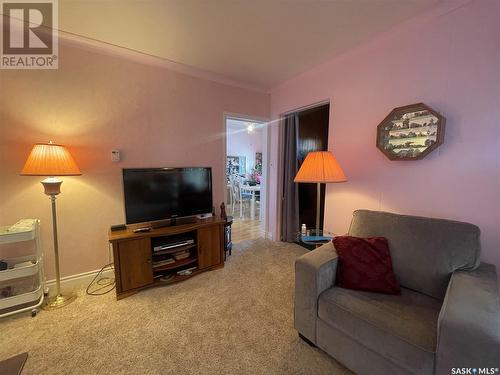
x=164 y=193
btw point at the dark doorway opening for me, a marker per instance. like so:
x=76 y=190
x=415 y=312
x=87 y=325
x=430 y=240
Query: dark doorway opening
x=304 y=131
x=313 y=136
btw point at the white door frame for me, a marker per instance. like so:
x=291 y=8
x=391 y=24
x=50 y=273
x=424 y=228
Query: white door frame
x=264 y=206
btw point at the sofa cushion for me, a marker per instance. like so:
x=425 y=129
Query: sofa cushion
x=402 y=328
x=365 y=264
x=424 y=251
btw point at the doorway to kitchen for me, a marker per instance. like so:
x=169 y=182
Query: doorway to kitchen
x=246 y=170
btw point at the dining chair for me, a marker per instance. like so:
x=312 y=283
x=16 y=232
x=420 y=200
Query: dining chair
x=238 y=196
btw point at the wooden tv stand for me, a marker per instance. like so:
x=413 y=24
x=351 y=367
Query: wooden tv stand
x=134 y=259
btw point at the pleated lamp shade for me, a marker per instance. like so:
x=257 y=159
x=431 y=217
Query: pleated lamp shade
x=50 y=160
x=320 y=166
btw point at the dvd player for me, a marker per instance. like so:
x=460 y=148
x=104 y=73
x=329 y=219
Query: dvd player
x=173 y=245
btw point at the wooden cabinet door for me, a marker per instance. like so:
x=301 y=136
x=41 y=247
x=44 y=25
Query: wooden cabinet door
x=209 y=246
x=135 y=263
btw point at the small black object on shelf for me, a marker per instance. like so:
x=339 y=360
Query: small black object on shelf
x=117 y=227
x=3 y=266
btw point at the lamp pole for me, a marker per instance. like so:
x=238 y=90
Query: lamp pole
x=52 y=186
x=318 y=200
x=56 y=244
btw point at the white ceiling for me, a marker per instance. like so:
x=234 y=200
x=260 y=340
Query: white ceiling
x=237 y=126
x=257 y=42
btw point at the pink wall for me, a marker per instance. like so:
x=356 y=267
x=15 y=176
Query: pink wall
x=448 y=59
x=98 y=101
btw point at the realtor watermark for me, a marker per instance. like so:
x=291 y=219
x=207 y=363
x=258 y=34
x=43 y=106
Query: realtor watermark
x=29 y=34
x=474 y=370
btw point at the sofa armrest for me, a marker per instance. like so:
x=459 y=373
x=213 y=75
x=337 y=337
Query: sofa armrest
x=314 y=273
x=469 y=321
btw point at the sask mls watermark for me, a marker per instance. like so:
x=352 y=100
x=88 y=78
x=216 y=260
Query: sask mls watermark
x=474 y=371
x=29 y=34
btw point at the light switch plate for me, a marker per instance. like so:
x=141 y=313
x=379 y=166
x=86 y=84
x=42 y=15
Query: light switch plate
x=115 y=156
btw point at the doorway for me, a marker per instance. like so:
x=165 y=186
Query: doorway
x=245 y=177
x=304 y=130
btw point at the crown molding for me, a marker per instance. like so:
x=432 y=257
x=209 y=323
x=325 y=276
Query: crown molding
x=98 y=46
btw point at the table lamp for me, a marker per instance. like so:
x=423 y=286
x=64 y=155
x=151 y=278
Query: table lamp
x=320 y=167
x=52 y=160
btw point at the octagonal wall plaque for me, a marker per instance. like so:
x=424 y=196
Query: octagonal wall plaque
x=410 y=132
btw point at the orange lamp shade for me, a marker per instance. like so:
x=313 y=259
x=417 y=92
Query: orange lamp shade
x=320 y=166
x=50 y=160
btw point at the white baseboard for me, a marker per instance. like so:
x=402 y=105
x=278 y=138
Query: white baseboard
x=79 y=280
x=266 y=235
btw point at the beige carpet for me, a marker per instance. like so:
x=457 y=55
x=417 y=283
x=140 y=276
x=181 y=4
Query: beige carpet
x=237 y=320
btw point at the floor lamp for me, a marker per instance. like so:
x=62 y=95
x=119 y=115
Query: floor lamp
x=52 y=160
x=320 y=167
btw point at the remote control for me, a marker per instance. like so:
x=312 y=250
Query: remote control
x=143 y=229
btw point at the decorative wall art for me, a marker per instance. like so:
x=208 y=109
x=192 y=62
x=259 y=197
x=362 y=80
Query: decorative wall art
x=410 y=132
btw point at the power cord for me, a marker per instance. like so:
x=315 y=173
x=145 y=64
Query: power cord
x=103 y=282
x=107 y=283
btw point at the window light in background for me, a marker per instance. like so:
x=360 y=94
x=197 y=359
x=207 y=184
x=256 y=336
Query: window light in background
x=52 y=160
x=320 y=167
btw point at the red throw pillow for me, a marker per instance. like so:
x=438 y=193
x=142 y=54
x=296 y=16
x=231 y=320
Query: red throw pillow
x=365 y=264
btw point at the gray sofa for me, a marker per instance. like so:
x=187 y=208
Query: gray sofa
x=447 y=316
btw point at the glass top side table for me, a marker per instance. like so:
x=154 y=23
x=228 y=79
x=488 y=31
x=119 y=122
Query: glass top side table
x=313 y=238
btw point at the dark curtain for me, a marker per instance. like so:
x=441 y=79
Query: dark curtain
x=290 y=217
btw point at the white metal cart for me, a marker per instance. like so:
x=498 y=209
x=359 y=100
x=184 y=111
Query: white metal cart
x=28 y=267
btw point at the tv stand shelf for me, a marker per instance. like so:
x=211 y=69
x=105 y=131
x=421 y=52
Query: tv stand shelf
x=176 y=264
x=133 y=254
x=175 y=250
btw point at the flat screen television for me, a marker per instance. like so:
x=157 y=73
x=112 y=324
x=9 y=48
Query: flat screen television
x=165 y=193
